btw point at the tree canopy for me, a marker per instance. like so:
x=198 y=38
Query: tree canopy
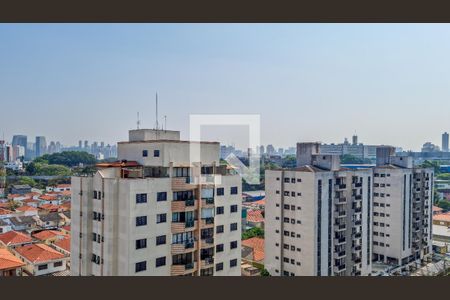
x=43 y=169
x=253 y=232
x=351 y=159
x=67 y=158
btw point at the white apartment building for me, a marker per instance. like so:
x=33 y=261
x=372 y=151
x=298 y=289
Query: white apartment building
x=402 y=209
x=318 y=217
x=154 y=213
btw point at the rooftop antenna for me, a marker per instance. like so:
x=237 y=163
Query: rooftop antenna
x=165 y=123
x=157 y=125
x=138 y=123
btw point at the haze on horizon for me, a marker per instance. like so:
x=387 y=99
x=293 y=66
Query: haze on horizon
x=389 y=83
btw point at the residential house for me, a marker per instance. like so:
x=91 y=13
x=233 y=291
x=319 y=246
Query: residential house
x=442 y=219
x=63 y=245
x=49 y=236
x=14 y=239
x=5 y=213
x=23 y=223
x=249 y=270
x=10 y=265
x=20 y=189
x=50 y=220
x=4 y=226
x=41 y=259
x=253 y=250
x=255 y=218
x=27 y=210
x=437 y=210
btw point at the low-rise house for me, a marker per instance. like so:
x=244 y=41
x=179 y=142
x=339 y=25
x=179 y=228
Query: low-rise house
x=20 y=189
x=49 y=236
x=10 y=265
x=41 y=259
x=253 y=250
x=59 y=188
x=31 y=202
x=63 y=245
x=27 y=210
x=23 y=223
x=442 y=219
x=249 y=270
x=4 y=226
x=49 y=207
x=12 y=239
x=6 y=213
x=66 y=229
x=255 y=218
x=49 y=199
x=50 y=220
x=437 y=210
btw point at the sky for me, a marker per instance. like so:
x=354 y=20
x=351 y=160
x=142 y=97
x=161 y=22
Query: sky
x=388 y=83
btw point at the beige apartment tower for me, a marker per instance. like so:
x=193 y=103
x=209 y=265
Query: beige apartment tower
x=154 y=212
x=402 y=210
x=318 y=218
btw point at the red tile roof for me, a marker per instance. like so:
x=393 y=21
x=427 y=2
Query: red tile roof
x=63 y=186
x=64 y=243
x=257 y=244
x=36 y=253
x=49 y=207
x=48 y=197
x=442 y=217
x=261 y=202
x=26 y=208
x=255 y=216
x=5 y=211
x=9 y=261
x=437 y=209
x=48 y=234
x=14 y=238
x=66 y=228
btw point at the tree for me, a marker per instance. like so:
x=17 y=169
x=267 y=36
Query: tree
x=27 y=181
x=253 y=232
x=443 y=176
x=42 y=169
x=265 y=273
x=434 y=164
x=351 y=159
x=444 y=204
x=67 y=158
x=289 y=161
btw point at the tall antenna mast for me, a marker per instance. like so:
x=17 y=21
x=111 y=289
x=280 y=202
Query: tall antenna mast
x=138 y=121
x=157 y=125
x=165 y=123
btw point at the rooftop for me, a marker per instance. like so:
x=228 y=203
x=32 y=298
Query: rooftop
x=48 y=234
x=255 y=216
x=63 y=243
x=36 y=253
x=14 y=238
x=9 y=261
x=445 y=217
x=257 y=244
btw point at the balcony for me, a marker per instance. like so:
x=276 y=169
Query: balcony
x=183 y=248
x=341 y=214
x=185 y=269
x=183 y=183
x=341 y=200
x=184 y=205
x=179 y=227
x=340 y=227
x=339 y=268
x=339 y=241
x=338 y=255
x=357 y=222
x=207 y=223
x=357 y=185
x=207 y=242
x=341 y=186
x=357 y=197
x=358 y=210
x=208 y=202
x=207 y=262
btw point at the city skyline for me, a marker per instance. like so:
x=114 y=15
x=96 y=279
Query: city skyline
x=93 y=79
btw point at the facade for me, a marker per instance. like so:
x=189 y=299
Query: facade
x=156 y=213
x=9 y=264
x=40 y=146
x=402 y=205
x=358 y=150
x=318 y=217
x=41 y=259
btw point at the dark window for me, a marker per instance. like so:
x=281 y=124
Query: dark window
x=219 y=210
x=233 y=190
x=156 y=153
x=161 y=196
x=219 y=267
x=219 y=229
x=233 y=263
x=144 y=153
x=287 y=180
x=141 y=198
x=233 y=226
x=219 y=248
x=160 y=240
x=161 y=218
x=220 y=191
x=160 y=261
x=141 y=266
x=42 y=267
x=233 y=244
x=233 y=208
x=141 y=244
x=58 y=264
x=95 y=194
x=141 y=221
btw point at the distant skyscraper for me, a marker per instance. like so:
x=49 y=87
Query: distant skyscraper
x=41 y=146
x=270 y=149
x=355 y=140
x=20 y=140
x=445 y=142
x=80 y=144
x=86 y=146
x=261 y=150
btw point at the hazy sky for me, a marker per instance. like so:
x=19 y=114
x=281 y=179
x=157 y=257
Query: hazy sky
x=389 y=83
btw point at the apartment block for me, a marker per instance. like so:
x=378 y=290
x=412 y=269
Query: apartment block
x=318 y=217
x=402 y=209
x=157 y=213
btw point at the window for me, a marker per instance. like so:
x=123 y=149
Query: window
x=141 y=266
x=219 y=267
x=292 y=221
x=233 y=263
x=299 y=194
x=233 y=190
x=58 y=264
x=299 y=180
x=277 y=191
x=233 y=245
x=286 y=220
x=160 y=240
x=160 y=261
x=292 y=194
x=141 y=221
x=287 y=180
x=42 y=267
x=141 y=244
x=278 y=178
x=161 y=218
x=292 y=180
x=233 y=208
x=286 y=246
x=141 y=198
x=220 y=191
x=144 y=153
x=285 y=259
x=292 y=207
x=219 y=210
x=156 y=153
x=219 y=229
x=219 y=248
x=95 y=194
x=161 y=196
x=286 y=206
x=286 y=233
x=286 y=193
x=233 y=226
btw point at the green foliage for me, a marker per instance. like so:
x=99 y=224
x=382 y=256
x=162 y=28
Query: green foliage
x=253 y=232
x=89 y=170
x=42 y=169
x=265 y=273
x=67 y=158
x=289 y=161
x=443 y=176
x=434 y=164
x=444 y=204
x=350 y=159
x=27 y=180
